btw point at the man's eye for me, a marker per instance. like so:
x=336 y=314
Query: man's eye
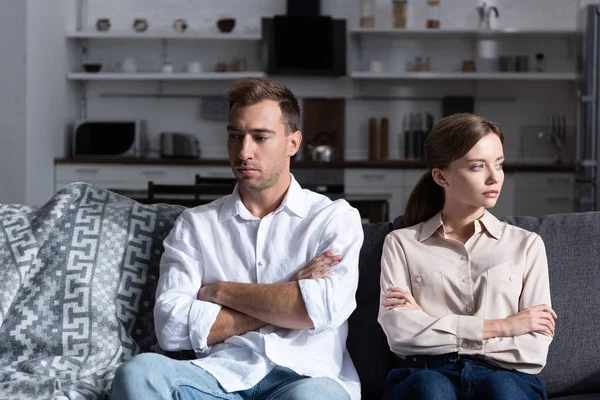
x=260 y=138
x=235 y=137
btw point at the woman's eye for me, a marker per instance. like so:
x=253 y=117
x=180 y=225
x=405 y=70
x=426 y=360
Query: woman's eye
x=500 y=166
x=477 y=167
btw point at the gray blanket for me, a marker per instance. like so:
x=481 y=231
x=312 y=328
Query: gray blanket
x=77 y=282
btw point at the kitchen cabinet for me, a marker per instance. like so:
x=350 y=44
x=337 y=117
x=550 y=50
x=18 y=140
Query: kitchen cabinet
x=134 y=177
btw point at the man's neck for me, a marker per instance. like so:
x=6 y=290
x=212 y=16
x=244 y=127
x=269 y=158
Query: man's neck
x=263 y=202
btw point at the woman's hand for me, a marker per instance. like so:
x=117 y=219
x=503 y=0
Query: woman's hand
x=398 y=297
x=538 y=318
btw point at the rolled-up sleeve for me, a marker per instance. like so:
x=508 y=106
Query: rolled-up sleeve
x=526 y=353
x=330 y=300
x=413 y=332
x=181 y=321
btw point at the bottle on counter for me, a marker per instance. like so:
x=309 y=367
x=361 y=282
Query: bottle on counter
x=384 y=139
x=372 y=139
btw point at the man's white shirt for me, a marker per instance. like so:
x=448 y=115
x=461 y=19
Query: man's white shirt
x=222 y=241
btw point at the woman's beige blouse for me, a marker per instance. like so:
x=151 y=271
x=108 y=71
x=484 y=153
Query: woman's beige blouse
x=501 y=270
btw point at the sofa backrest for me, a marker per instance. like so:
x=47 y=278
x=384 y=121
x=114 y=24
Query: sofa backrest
x=573 y=247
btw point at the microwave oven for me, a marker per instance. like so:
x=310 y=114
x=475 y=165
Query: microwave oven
x=112 y=138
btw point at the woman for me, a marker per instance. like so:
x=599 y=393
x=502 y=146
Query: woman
x=465 y=297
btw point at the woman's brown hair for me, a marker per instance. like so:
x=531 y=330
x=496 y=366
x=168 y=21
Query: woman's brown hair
x=250 y=91
x=450 y=139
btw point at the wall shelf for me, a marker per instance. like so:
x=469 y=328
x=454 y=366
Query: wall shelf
x=158 y=76
x=475 y=33
x=165 y=35
x=491 y=76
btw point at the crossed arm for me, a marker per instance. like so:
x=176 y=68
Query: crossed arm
x=248 y=306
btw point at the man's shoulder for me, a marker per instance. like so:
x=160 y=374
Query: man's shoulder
x=323 y=206
x=205 y=212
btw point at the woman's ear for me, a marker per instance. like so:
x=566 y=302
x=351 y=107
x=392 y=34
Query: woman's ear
x=439 y=177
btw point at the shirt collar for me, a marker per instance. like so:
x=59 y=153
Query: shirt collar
x=294 y=200
x=488 y=222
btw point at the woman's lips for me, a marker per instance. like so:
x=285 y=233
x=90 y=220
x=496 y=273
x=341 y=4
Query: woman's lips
x=491 y=193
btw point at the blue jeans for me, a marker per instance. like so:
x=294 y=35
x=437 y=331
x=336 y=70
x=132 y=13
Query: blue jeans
x=450 y=376
x=154 y=376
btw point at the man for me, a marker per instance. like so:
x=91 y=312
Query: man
x=259 y=283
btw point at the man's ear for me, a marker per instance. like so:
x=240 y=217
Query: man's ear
x=294 y=141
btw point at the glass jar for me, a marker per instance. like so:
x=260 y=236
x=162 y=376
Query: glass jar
x=433 y=14
x=367 y=13
x=399 y=7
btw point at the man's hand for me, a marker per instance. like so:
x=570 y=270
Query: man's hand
x=398 y=297
x=318 y=267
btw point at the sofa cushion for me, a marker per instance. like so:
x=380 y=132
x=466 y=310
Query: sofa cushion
x=77 y=282
x=366 y=342
x=573 y=247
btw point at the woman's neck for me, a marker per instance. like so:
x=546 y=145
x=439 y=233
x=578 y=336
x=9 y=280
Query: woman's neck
x=460 y=224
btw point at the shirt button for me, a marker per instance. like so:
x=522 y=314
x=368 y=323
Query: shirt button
x=464 y=345
x=510 y=278
x=419 y=279
x=261 y=263
x=463 y=258
x=469 y=310
x=465 y=280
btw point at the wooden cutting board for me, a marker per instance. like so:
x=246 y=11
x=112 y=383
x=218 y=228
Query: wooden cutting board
x=323 y=115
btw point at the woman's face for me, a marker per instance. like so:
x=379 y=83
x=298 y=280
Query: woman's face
x=474 y=181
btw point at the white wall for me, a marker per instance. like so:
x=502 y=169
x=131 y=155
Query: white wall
x=50 y=100
x=36 y=102
x=13 y=26
x=516 y=105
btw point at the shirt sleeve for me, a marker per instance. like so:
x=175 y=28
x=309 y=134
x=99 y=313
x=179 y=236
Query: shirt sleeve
x=330 y=300
x=414 y=332
x=528 y=352
x=181 y=321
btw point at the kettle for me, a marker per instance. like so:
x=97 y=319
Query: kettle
x=322 y=147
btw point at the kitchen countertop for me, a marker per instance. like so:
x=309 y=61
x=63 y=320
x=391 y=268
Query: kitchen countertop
x=382 y=164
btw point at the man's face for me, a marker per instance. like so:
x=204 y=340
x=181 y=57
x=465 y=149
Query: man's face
x=258 y=146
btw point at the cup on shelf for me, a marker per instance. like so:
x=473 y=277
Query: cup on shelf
x=92 y=66
x=167 y=68
x=376 y=66
x=140 y=24
x=180 y=25
x=128 y=65
x=522 y=63
x=194 y=67
x=506 y=64
x=103 y=24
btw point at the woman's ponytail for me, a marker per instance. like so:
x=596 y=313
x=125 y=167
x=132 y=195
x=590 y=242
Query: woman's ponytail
x=426 y=200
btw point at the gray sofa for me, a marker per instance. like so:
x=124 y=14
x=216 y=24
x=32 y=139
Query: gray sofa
x=78 y=274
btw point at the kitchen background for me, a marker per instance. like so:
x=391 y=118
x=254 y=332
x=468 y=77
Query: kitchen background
x=41 y=47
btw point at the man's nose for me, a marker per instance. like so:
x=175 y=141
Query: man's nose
x=247 y=148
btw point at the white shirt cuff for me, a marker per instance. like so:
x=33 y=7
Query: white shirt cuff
x=201 y=318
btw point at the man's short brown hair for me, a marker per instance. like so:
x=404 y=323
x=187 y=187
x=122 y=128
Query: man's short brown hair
x=250 y=91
